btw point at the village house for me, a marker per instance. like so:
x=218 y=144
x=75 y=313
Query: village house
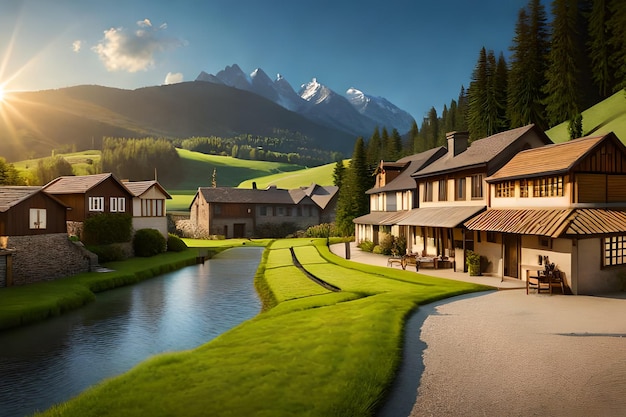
x=392 y=197
x=88 y=195
x=34 y=245
x=453 y=189
x=238 y=212
x=566 y=202
x=149 y=205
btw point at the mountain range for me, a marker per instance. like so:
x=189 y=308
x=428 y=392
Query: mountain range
x=36 y=123
x=356 y=113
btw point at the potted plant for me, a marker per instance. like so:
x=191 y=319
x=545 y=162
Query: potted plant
x=473 y=263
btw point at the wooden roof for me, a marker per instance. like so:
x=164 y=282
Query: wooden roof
x=549 y=159
x=137 y=188
x=382 y=217
x=551 y=222
x=79 y=184
x=13 y=195
x=271 y=195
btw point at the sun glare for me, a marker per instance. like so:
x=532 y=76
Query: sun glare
x=1 y=93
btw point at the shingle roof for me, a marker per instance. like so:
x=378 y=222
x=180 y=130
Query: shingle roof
x=137 y=188
x=272 y=195
x=75 y=184
x=556 y=158
x=412 y=163
x=13 y=195
x=479 y=153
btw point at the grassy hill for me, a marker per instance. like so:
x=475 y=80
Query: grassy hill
x=606 y=116
x=322 y=175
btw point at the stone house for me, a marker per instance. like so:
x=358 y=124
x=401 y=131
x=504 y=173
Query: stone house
x=34 y=245
x=238 y=212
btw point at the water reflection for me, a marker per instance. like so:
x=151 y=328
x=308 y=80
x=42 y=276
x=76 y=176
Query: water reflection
x=52 y=361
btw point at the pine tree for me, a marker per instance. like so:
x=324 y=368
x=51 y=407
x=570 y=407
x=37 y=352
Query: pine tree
x=394 y=146
x=339 y=173
x=374 y=149
x=353 y=201
x=432 y=131
x=562 y=87
x=501 y=85
x=617 y=30
x=600 y=50
x=461 y=111
x=384 y=142
x=527 y=67
x=478 y=97
x=414 y=145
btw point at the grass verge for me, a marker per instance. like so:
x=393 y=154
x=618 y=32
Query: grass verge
x=314 y=353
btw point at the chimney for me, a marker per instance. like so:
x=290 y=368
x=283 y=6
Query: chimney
x=457 y=142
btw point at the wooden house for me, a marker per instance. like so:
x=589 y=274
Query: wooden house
x=566 y=201
x=238 y=212
x=453 y=189
x=393 y=196
x=149 y=205
x=34 y=245
x=88 y=195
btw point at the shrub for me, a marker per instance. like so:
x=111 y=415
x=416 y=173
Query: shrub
x=273 y=230
x=148 y=242
x=387 y=244
x=377 y=250
x=366 y=246
x=175 y=244
x=106 y=228
x=322 y=230
x=108 y=253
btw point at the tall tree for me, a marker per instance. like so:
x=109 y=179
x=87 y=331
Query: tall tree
x=600 y=49
x=353 y=201
x=339 y=173
x=394 y=146
x=384 y=142
x=501 y=86
x=478 y=98
x=528 y=66
x=413 y=142
x=374 y=149
x=461 y=111
x=431 y=132
x=617 y=29
x=563 y=88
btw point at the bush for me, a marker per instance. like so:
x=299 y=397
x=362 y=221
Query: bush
x=105 y=228
x=175 y=244
x=108 y=253
x=322 y=230
x=366 y=246
x=387 y=244
x=148 y=242
x=377 y=250
x=273 y=230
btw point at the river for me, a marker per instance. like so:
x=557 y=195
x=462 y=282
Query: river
x=54 y=360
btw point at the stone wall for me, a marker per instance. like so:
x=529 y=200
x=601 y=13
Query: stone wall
x=46 y=257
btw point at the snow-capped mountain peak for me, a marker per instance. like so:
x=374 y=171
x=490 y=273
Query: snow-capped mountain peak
x=356 y=112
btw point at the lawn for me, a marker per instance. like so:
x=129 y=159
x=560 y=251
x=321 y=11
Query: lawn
x=316 y=353
x=321 y=175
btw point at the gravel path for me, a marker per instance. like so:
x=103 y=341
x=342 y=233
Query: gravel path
x=510 y=354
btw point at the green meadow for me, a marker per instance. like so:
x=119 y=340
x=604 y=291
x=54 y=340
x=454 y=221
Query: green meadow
x=312 y=352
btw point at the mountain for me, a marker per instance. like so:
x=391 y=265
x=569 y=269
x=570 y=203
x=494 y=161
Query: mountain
x=356 y=113
x=35 y=123
x=380 y=110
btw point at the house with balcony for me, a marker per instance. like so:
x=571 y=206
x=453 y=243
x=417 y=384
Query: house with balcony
x=453 y=189
x=393 y=196
x=564 y=201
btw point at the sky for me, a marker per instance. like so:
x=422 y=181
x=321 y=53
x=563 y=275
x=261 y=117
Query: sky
x=415 y=53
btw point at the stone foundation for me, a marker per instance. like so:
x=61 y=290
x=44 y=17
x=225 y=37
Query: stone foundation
x=46 y=257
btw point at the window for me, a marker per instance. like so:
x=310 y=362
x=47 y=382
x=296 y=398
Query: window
x=459 y=189
x=524 y=188
x=548 y=187
x=217 y=209
x=263 y=211
x=153 y=208
x=280 y=211
x=505 y=189
x=96 y=203
x=428 y=190
x=477 y=186
x=443 y=190
x=615 y=250
x=492 y=237
x=37 y=218
x=118 y=205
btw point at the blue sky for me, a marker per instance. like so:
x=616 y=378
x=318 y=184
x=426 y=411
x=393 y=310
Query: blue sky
x=415 y=53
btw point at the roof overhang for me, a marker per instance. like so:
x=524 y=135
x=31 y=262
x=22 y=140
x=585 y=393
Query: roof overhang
x=551 y=222
x=380 y=218
x=446 y=216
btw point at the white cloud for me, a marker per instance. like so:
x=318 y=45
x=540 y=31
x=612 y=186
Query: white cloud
x=173 y=78
x=76 y=45
x=123 y=50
